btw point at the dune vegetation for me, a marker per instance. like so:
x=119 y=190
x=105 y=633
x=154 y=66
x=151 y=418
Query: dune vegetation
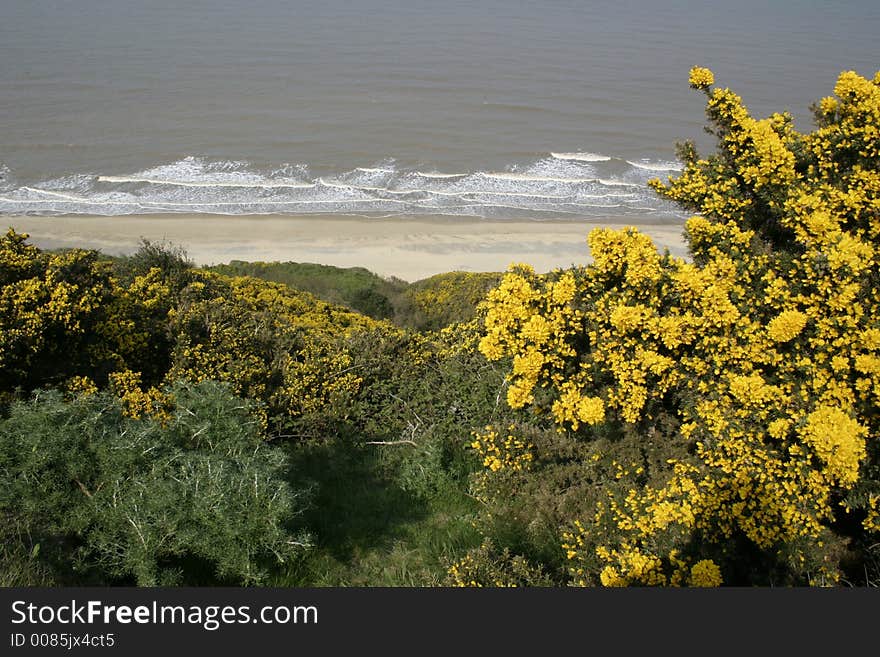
x=641 y=420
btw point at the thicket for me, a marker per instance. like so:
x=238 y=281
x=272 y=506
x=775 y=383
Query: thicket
x=715 y=418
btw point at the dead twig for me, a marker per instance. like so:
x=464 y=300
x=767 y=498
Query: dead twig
x=390 y=442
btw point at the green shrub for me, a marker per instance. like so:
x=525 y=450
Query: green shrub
x=103 y=498
x=442 y=300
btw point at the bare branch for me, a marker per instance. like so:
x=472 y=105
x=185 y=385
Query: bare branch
x=137 y=529
x=83 y=488
x=391 y=442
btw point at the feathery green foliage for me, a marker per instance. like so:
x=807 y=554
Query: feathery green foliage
x=104 y=498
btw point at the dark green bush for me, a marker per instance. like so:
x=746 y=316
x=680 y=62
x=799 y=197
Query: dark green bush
x=99 y=498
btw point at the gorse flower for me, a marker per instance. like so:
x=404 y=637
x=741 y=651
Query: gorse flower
x=764 y=348
x=705 y=573
x=508 y=453
x=701 y=78
x=786 y=325
x=838 y=441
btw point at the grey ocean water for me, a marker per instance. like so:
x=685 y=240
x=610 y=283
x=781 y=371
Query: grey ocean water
x=557 y=109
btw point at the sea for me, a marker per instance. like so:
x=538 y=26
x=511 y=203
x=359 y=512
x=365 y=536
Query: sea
x=489 y=109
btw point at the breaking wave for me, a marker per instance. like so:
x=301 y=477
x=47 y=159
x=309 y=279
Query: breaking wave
x=560 y=185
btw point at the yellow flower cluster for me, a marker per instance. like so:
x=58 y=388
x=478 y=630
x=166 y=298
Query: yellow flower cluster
x=786 y=325
x=65 y=316
x=871 y=523
x=66 y=313
x=460 y=573
x=134 y=316
x=508 y=453
x=701 y=78
x=838 y=441
x=626 y=253
x=51 y=305
x=81 y=385
x=538 y=341
x=573 y=408
x=765 y=347
x=630 y=565
x=705 y=573
x=138 y=403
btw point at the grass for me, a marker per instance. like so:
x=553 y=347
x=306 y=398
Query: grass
x=369 y=530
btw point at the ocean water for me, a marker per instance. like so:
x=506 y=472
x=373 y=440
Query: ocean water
x=559 y=109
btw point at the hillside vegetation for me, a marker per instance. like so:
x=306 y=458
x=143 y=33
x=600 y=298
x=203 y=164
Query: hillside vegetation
x=643 y=420
x=428 y=304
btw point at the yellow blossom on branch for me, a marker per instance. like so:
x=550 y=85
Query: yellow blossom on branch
x=701 y=78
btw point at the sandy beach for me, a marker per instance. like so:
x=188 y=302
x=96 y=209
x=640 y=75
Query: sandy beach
x=407 y=248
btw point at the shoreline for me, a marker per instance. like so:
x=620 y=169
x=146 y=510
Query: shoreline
x=406 y=247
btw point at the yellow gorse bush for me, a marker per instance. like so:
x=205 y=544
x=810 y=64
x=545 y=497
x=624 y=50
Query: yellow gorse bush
x=269 y=342
x=764 y=348
x=68 y=319
x=65 y=314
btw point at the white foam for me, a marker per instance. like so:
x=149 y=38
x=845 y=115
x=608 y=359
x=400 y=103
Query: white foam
x=619 y=183
x=381 y=190
x=182 y=183
x=581 y=157
x=529 y=177
x=655 y=166
x=78 y=201
x=493 y=205
x=67 y=197
x=441 y=175
x=434 y=192
x=563 y=184
x=607 y=195
x=342 y=185
x=488 y=192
